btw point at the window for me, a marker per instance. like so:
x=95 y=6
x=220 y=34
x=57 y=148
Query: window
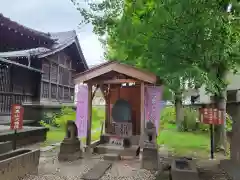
x=4 y=78
x=61 y=73
x=72 y=93
x=57 y=78
x=60 y=92
x=46 y=70
x=45 y=90
x=66 y=77
x=54 y=73
x=54 y=91
x=66 y=94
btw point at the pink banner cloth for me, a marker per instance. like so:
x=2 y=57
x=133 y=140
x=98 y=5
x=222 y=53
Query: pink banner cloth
x=153 y=97
x=82 y=110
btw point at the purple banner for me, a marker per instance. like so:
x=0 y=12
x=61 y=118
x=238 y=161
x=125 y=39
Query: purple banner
x=153 y=96
x=82 y=110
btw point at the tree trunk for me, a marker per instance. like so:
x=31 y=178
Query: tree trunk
x=220 y=130
x=179 y=111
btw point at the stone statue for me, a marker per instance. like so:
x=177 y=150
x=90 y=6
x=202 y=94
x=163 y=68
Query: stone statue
x=150 y=135
x=150 y=158
x=71 y=130
x=70 y=147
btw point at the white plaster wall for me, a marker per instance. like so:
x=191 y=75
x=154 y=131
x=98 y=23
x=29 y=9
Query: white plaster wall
x=233 y=84
x=233 y=80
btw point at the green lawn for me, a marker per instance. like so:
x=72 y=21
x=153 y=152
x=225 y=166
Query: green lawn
x=57 y=135
x=185 y=143
x=181 y=143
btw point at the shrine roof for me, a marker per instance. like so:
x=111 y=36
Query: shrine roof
x=63 y=40
x=118 y=67
x=15 y=31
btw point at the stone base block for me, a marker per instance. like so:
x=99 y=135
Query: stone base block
x=70 y=157
x=231 y=168
x=184 y=171
x=17 y=164
x=150 y=159
x=70 y=150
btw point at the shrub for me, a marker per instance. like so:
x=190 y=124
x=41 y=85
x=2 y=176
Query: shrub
x=60 y=119
x=229 y=123
x=190 y=121
x=66 y=114
x=167 y=116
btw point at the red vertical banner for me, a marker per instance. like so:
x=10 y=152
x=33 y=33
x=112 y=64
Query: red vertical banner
x=16 y=117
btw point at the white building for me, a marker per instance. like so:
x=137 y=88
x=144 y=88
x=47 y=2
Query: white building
x=233 y=91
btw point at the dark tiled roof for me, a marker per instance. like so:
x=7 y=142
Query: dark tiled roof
x=59 y=41
x=18 y=27
x=62 y=40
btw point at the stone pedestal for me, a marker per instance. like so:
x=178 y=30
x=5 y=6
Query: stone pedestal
x=150 y=159
x=70 y=150
x=183 y=169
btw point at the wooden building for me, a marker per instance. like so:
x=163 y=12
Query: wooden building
x=119 y=83
x=36 y=68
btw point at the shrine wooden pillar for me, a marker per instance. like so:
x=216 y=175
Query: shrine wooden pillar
x=89 y=122
x=142 y=127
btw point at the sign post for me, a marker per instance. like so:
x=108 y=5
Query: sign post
x=212 y=140
x=211 y=116
x=16 y=121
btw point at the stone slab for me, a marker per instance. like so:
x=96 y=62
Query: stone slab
x=6 y=147
x=97 y=171
x=150 y=159
x=190 y=173
x=232 y=169
x=111 y=157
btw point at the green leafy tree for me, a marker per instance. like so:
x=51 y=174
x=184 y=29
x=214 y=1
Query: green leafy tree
x=177 y=40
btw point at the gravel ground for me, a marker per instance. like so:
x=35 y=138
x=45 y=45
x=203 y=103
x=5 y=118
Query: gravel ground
x=128 y=170
x=51 y=169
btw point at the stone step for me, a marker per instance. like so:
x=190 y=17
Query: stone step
x=111 y=157
x=111 y=149
x=108 y=149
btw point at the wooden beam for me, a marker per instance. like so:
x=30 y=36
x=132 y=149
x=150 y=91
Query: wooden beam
x=89 y=122
x=142 y=108
x=95 y=90
x=114 y=81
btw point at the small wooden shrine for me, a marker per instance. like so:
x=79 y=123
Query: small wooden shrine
x=123 y=89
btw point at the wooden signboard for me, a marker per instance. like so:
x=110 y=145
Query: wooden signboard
x=16 y=117
x=122 y=129
x=211 y=116
x=116 y=141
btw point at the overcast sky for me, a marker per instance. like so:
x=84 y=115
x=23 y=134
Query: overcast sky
x=54 y=16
